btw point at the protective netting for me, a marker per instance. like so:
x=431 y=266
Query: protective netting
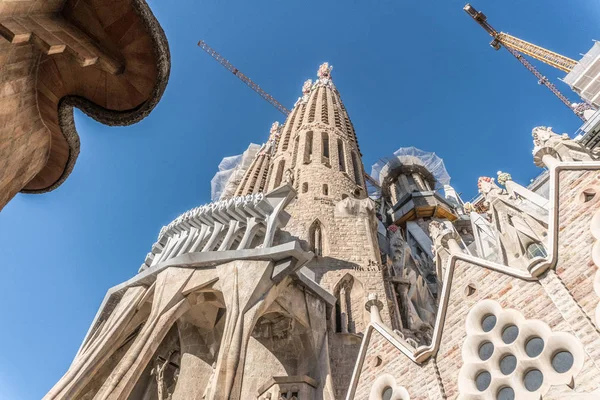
x=231 y=171
x=411 y=155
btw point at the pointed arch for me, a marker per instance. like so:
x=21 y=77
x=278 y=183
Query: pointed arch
x=349 y=309
x=316 y=235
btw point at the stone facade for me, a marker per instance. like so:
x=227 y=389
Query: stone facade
x=297 y=285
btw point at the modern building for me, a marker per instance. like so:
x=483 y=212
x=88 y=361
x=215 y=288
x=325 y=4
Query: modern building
x=297 y=284
x=109 y=59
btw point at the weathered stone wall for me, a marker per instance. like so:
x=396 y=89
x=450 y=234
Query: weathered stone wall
x=576 y=268
x=24 y=140
x=382 y=358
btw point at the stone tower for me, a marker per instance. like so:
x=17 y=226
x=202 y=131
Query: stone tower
x=318 y=154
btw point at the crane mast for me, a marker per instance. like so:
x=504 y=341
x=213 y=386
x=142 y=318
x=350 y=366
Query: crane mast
x=213 y=53
x=517 y=47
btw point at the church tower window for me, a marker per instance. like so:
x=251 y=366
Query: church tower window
x=295 y=151
x=356 y=167
x=316 y=237
x=324 y=114
x=279 y=175
x=308 y=147
x=341 y=157
x=325 y=145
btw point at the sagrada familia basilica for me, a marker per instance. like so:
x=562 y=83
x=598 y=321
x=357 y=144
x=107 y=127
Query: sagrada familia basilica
x=300 y=282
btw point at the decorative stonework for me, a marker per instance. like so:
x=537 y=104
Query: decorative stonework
x=503 y=177
x=324 y=71
x=560 y=147
x=324 y=74
x=307 y=86
x=595 y=228
x=386 y=384
x=231 y=224
x=506 y=354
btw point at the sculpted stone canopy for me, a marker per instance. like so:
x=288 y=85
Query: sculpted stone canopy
x=110 y=60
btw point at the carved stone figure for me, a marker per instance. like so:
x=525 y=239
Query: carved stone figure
x=289 y=176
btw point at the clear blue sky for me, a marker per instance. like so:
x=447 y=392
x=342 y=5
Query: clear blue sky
x=416 y=73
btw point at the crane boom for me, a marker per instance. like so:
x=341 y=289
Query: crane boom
x=542 y=80
x=213 y=53
x=551 y=58
x=516 y=46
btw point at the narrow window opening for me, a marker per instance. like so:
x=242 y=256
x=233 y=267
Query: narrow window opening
x=305 y=187
x=295 y=151
x=313 y=108
x=316 y=238
x=341 y=158
x=356 y=167
x=288 y=131
x=325 y=189
x=325 y=144
x=324 y=115
x=279 y=174
x=308 y=147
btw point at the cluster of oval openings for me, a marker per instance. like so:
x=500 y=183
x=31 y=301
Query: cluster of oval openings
x=562 y=361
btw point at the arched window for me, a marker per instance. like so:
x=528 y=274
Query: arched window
x=315 y=234
x=348 y=292
x=325 y=145
x=356 y=167
x=536 y=250
x=341 y=157
x=279 y=175
x=308 y=147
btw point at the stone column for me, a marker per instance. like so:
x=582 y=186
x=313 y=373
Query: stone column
x=344 y=310
x=373 y=305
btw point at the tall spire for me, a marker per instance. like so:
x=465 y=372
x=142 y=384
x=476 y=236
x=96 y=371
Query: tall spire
x=256 y=176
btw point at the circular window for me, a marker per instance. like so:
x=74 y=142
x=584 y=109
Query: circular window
x=509 y=334
x=483 y=380
x=488 y=322
x=387 y=393
x=486 y=350
x=506 y=393
x=508 y=364
x=533 y=380
x=562 y=361
x=534 y=347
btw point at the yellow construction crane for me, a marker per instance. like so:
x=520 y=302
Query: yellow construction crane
x=518 y=47
x=223 y=61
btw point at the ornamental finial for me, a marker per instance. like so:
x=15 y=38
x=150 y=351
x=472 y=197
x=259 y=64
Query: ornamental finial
x=485 y=184
x=274 y=127
x=324 y=71
x=307 y=86
x=503 y=177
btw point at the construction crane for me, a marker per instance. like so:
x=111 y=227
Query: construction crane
x=212 y=52
x=518 y=47
x=223 y=61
